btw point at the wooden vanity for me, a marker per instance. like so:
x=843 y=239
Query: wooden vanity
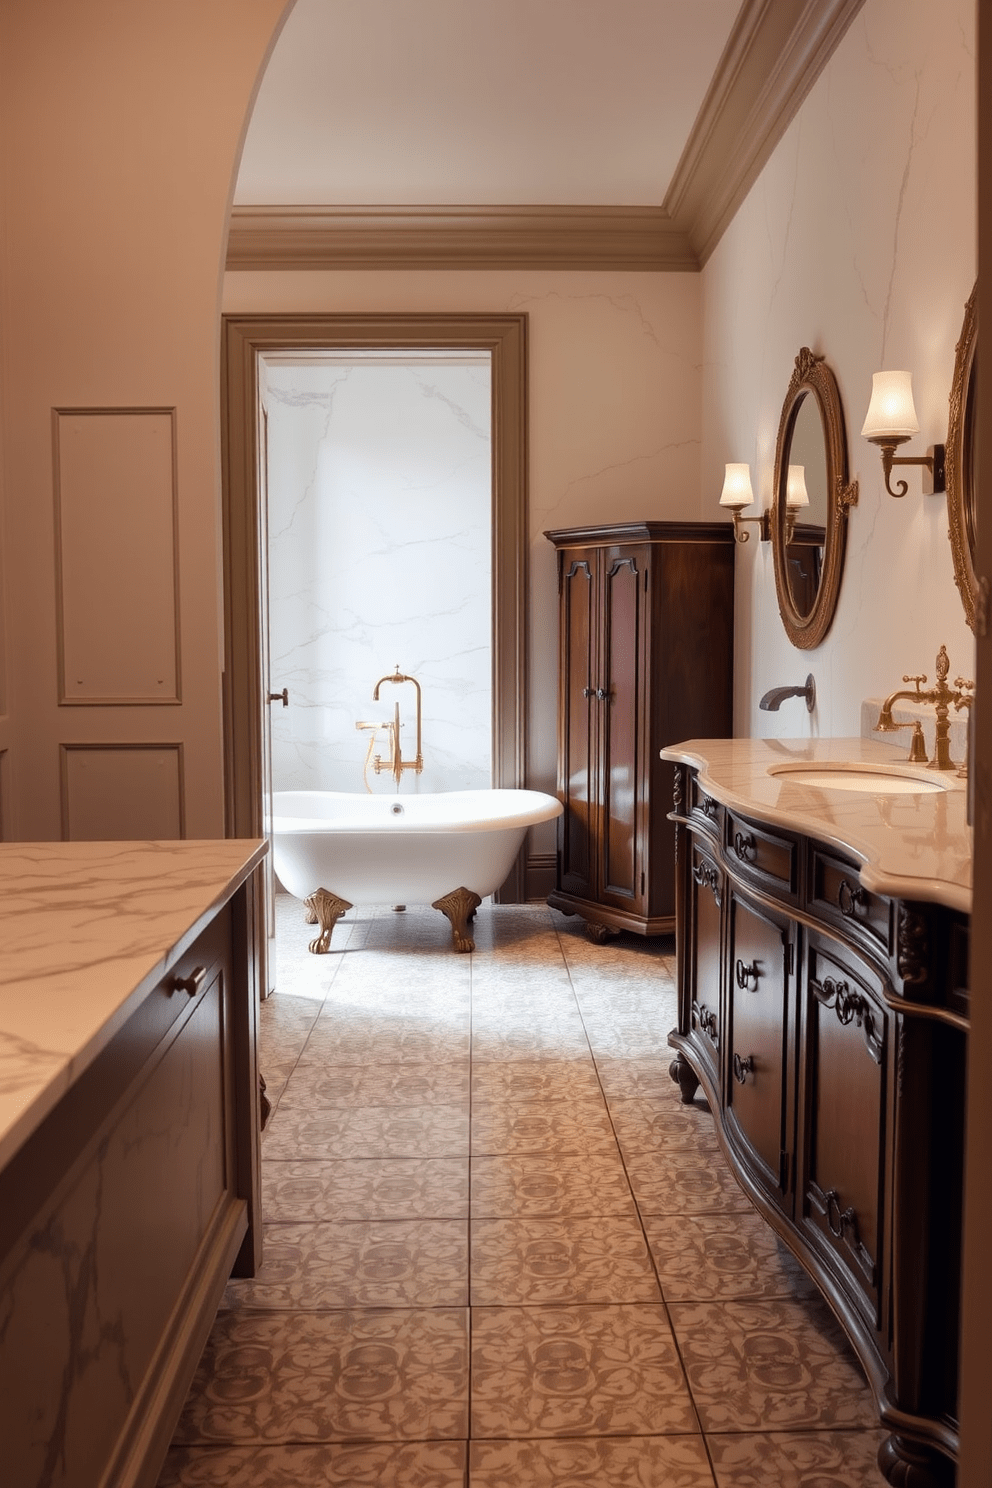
x=129 y=1152
x=823 y=1008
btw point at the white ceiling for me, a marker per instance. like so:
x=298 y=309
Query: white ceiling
x=472 y=102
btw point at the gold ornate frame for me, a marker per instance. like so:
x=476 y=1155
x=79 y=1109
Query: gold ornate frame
x=811 y=375
x=959 y=474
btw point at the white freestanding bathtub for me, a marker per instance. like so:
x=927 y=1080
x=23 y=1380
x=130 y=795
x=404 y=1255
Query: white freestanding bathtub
x=426 y=849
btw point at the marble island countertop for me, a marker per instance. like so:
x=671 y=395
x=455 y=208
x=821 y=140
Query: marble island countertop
x=87 y=930
x=912 y=846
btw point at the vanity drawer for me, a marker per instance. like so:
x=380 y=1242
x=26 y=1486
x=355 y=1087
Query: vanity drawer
x=702 y=808
x=836 y=896
x=768 y=859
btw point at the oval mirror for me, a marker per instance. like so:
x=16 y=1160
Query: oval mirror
x=962 y=438
x=812 y=497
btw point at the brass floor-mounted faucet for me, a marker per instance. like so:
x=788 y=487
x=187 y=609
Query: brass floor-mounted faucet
x=396 y=764
x=943 y=698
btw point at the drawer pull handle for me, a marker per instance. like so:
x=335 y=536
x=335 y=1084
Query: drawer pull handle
x=850 y=898
x=602 y=694
x=841 y=1221
x=192 y=983
x=706 y=877
x=706 y=1019
x=744 y=846
x=747 y=974
x=709 y=808
x=743 y=1068
x=587 y=692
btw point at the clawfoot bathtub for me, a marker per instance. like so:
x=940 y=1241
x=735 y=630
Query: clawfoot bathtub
x=334 y=850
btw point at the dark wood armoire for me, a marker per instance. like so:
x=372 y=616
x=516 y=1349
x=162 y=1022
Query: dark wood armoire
x=646 y=630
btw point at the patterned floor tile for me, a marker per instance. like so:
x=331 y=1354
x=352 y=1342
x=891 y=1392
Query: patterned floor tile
x=578 y=1371
x=540 y=1187
x=683 y=1182
x=542 y=1080
x=539 y=1261
x=369 y=1045
x=390 y=1263
x=368 y=1131
x=335 y=1376
x=719 y=1257
x=378 y=1085
x=438 y=1464
x=616 y=1042
x=548 y=1128
x=635 y=1462
x=524 y=1042
x=646 y=1127
x=820 y=1459
x=777 y=1365
x=360 y=1188
x=640 y=1079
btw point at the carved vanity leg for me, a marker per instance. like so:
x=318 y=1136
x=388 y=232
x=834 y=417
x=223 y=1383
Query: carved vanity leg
x=909 y=1464
x=459 y=906
x=600 y=934
x=324 y=909
x=264 y=1104
x=684 y=1076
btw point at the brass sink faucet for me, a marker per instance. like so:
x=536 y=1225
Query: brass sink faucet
x=943 y=698
x=396 y=764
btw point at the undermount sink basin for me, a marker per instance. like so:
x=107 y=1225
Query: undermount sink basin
x=875 y=780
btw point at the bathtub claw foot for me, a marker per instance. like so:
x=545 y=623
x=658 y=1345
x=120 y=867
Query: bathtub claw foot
x=459 y=906
x=323 y=909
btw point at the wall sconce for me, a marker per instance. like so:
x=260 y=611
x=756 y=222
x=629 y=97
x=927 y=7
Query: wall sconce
x=796 y=497
x=736 y=495
x=890 y=421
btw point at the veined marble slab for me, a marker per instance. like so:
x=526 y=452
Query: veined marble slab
x=911 y=846
x=87 y=929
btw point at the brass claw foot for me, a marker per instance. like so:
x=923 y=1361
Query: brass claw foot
x=324 y=909
x=459 y=906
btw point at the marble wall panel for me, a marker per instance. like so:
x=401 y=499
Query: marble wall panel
x=858 y=240
x=379 y=556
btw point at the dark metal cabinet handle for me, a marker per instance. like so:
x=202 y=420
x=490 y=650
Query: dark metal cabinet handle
x=850 y=898
x=744 y=846
x=746 y=975
x=743 y=1068
x=587 y=692
x=280 y=697
x=602 y=694
x=190 y=984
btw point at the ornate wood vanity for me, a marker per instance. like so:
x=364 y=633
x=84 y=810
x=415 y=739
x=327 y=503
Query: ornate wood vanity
x=823 y=1008
x=129 y=1147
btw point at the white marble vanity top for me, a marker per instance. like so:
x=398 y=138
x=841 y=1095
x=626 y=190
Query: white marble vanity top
x=87 y=929
x=911 y=846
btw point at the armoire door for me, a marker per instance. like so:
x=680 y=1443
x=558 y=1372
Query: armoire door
x=620 y=720
x=576 y=731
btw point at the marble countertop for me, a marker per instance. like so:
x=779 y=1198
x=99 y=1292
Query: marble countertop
x=87 y=930
x=913 y=846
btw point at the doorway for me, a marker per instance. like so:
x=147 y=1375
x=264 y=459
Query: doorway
x=246 y=342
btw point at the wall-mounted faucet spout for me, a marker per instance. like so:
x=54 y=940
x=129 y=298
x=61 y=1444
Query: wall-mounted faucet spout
x=396 y=764
x=776 y=696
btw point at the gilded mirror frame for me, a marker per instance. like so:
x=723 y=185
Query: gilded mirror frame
x=959 y=460
x=812 y=377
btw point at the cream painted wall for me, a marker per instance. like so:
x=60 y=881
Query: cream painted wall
x=120 y=129
x=858 y=240
x=614 y=409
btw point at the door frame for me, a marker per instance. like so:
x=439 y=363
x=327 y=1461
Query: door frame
x=244 y=340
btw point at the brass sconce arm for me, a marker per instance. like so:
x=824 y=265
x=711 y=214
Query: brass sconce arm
x=764 y=523
x=933 y=462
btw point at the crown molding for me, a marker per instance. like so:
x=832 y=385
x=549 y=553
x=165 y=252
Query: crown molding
x=450 y=237
x=773 y=56
x=775 y=53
